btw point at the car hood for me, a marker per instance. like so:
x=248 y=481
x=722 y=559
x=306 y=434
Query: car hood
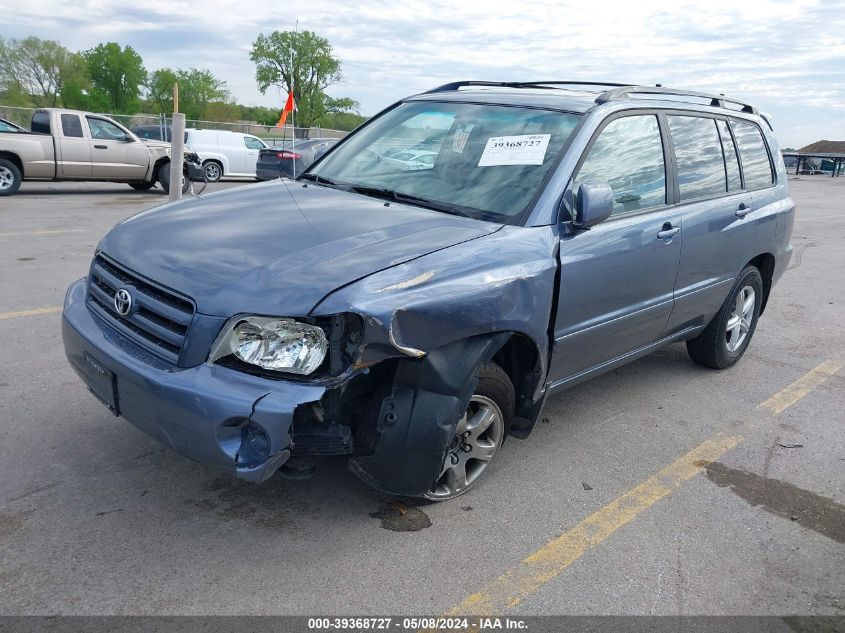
x=149 y=142
x=278 y=248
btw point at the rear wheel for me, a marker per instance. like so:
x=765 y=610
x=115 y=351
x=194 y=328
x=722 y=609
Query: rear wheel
x=479 y=435
x=10 y=177
x=724 y=341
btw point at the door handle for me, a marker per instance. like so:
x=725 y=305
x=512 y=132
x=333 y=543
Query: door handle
x=668 y=231
x=101 y=147
x=743 y=210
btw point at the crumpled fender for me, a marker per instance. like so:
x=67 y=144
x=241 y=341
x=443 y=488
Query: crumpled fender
x=443 y=315
x=417 y=421
x=503 y=282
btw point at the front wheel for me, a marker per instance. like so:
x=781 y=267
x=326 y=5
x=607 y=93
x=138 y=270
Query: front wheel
x=142 y=186
x=213 y=171
x=479 y=435
x=724 y=341
x=164 y=179
x=10 y=177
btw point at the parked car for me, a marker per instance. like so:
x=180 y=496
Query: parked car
x=274 y=162
x=73 y=145
x=413 y=159
x=153 y=132
x=225 y=153
x=8 y=126
x=413 y=320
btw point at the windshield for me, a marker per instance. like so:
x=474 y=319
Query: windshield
x=483 y=161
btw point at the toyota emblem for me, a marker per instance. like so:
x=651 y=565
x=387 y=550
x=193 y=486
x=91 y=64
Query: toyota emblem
x=123 y=302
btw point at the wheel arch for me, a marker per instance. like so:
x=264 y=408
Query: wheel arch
x=16 y=160
x=223 y=167
x=765 y=263
x=164 y=160
x=219 y=158
x=519 y=357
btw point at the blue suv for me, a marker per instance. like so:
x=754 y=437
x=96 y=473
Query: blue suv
x=413 y=316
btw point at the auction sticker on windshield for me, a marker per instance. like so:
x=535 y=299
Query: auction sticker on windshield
x=524 y=149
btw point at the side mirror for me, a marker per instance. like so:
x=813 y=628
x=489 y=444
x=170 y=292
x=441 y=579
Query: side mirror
x=127 y=139
x=594 y=204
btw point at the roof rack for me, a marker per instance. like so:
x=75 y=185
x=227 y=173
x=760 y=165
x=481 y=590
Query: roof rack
x=617 y=91
x=455 y=85
x=530 y=84
x=717 y=101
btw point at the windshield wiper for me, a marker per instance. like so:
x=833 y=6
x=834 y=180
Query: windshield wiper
x=320 y=180
x=389 y=194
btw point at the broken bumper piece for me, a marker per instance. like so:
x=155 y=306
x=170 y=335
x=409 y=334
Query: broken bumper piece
x=234 y=421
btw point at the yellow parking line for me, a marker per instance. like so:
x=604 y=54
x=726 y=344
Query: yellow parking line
x=510 y=588
x=26 y=313
x=788 y=396
x=56 y=232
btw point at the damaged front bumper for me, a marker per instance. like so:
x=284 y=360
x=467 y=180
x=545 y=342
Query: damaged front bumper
x=218 y=416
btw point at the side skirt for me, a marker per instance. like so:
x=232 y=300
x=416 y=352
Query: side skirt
x=571 y=381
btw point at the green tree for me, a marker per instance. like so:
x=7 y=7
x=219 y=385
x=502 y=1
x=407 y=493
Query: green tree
x=314 y=69
x=117 y=75
x=160 y=89
x=259 y=114
x=198 y=88
x=346 y=121
x=39 y=68
x=223 y=111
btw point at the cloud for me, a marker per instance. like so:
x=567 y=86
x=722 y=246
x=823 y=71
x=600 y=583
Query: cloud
x=787 y=57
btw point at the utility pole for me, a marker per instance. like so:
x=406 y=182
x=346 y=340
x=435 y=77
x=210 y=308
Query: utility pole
x=177 y=148
x=292 y=112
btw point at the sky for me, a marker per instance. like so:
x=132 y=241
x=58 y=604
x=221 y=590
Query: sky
x=786 y=58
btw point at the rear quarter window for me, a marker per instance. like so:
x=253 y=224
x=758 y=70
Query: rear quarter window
x=756 y=166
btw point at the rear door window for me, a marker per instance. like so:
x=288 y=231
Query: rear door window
x=698 y=153
x=731 y=160
x=628 y=155
x=756 y=166
x=71 y=126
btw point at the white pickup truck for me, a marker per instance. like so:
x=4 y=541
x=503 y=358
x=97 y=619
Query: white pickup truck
x=73 y=145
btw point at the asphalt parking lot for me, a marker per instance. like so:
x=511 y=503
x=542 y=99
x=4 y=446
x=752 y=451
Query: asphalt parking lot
x=659 y=488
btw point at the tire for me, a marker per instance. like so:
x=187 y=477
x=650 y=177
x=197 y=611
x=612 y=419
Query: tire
x=494 y=396
x=142 y=186
x=213 y=170
x=164 y=179
x=725 y=339
x=10 y=177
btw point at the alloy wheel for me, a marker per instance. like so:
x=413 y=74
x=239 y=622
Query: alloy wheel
x=6 y=178
x=478 y=436
x=212 y=172
x=739 y=323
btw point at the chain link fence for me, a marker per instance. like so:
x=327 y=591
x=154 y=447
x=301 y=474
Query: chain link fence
x=272 y=135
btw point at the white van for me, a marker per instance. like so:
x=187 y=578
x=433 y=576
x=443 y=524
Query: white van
x=224 y=153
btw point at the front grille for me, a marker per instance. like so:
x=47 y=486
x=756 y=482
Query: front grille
x=159 y=318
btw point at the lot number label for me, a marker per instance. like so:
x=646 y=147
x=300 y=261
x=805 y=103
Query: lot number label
x=524 y=149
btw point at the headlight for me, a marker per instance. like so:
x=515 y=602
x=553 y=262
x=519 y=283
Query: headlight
x=275 y=344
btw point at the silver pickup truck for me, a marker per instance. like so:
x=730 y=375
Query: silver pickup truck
x=73 y=145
